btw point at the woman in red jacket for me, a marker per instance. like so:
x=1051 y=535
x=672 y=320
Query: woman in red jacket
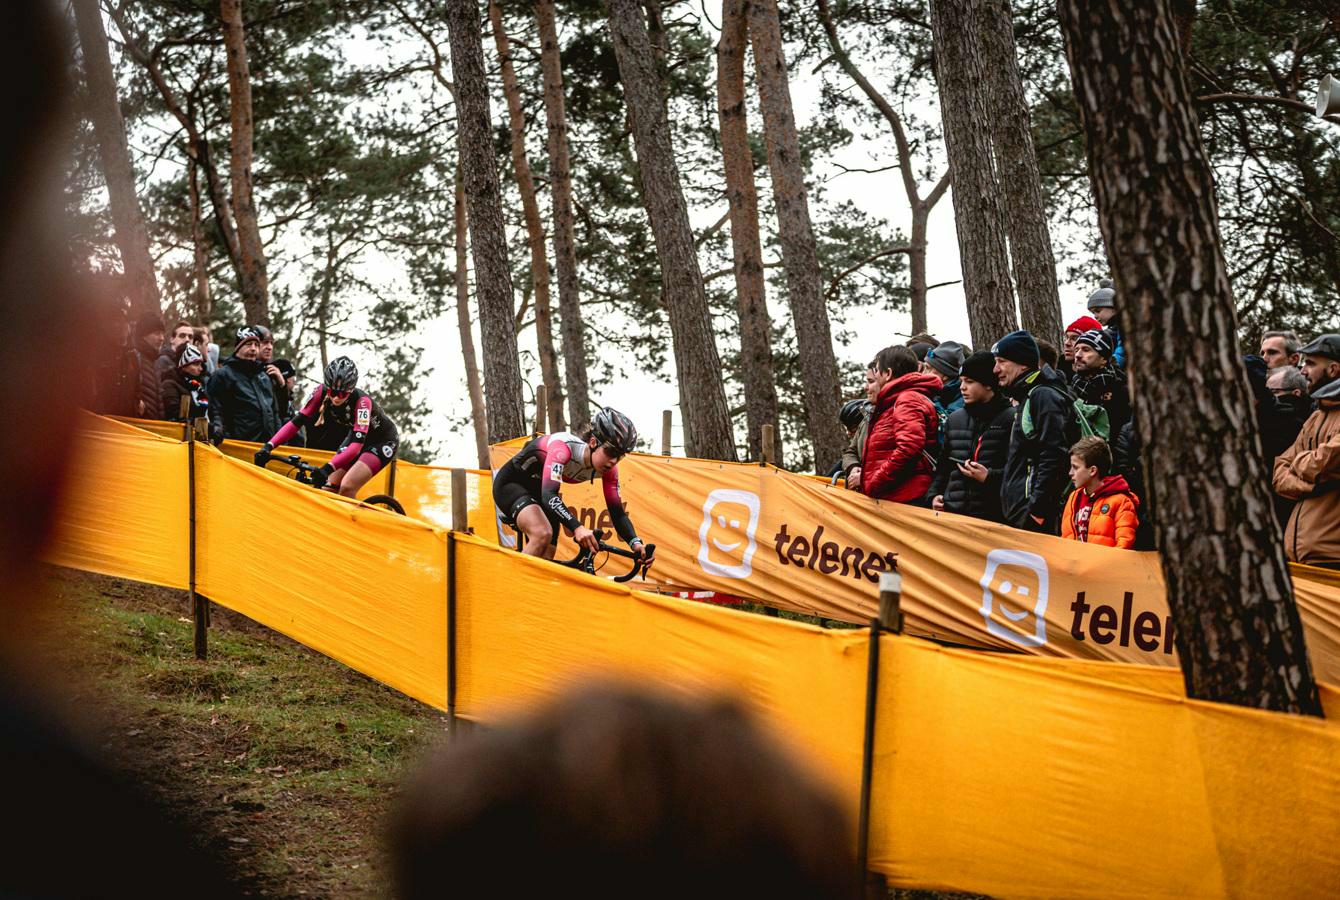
x=902 y=441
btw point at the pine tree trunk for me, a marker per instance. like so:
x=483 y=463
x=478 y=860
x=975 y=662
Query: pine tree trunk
x=478 y=415
x=255 y=287
x=539 y=264
x=760 y=388
x=916 y=268
x=800 y=255
x=565 y=244
x=964 y=112
x=203 y=306
x=707 y=425
x=488 y=235
x=104 y=109
x=1237 y=629
x=1020 y=182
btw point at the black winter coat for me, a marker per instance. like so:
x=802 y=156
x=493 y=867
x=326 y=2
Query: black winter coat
x=1109 y=390
x=979 y=432
x=1038 y=468
x=150 y=393
x=243 y=396
x=1126 y=463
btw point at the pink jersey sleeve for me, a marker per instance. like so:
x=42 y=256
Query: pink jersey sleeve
x=614 y=503
x=304 y=416
x=556 y=456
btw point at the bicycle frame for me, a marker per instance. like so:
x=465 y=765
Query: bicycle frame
x=584 y=561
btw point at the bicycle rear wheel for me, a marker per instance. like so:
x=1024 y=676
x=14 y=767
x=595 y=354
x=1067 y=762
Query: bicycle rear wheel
x=384 y=501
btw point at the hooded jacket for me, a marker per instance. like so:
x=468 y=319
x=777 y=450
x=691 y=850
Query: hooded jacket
x=150 y=392
x=1037 y=470
x=1108 y=516
x=978 y=432
x=903 y=428
x=949 y=398
x=1309 y=472
x=243 y=397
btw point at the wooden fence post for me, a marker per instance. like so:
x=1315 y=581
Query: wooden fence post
x=765 y=440
x=667 y=418
x=890 y=619
x=460 y=508
x=541 y=410
x=199 y=605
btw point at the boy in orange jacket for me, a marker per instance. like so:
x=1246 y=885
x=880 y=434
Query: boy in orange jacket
x=1102 y=510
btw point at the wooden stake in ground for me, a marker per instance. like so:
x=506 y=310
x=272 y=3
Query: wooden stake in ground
x=255 y=282
x=488 y=234
x=539 y=263
x=104 y=110
x=565 y=244
x=1025 y=214
x=962 y=74
x=760 y=386
x=707 y=425
x=800 y=255
x=1237 y=629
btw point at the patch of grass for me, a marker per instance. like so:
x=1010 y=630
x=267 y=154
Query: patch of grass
x=281 y=759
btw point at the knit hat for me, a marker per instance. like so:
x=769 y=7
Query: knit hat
x=921 y=350
x=1083 y=324
x=1257 y=375
x=148 y=324
x=1100 y=339
x=247 y=333
x=981 y=368
x=946 y=358
x=188 y=354
x=1019 y=347
x=1103 y=298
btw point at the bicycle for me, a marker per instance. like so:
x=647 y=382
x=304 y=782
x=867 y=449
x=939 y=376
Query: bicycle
x=302 y=473
x=584 y=561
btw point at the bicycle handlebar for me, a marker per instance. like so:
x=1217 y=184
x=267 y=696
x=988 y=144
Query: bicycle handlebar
x=305 y=469
x=584 y=561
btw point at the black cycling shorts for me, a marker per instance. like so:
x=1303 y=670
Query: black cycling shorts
x=384 y=449
x=513 y=491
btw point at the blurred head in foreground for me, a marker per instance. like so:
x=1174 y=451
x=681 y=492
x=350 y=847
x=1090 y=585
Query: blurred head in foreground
x=614 y=792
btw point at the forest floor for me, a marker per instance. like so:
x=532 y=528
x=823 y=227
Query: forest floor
x=282 y=762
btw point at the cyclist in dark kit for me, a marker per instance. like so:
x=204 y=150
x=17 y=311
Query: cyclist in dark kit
x=526 y=487
x=372 y=440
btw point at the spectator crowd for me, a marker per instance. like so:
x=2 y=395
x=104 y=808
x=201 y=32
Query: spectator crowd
x=1045 y=441
x=147 y=372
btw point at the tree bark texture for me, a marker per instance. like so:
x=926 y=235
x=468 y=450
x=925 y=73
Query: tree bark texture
x=539 y=263
x=488 y=235
x=478 y=415
x=203 y=306
x=920 y=207
x=104 y=109
x=565 y=245
x=255 y=286
x=760 y=387
x=707 y=425
x=1025 y=214
x=1237 y=629
x=962 y=74
x=800 y=255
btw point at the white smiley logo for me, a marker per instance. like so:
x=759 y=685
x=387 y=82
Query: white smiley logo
x=728 y=510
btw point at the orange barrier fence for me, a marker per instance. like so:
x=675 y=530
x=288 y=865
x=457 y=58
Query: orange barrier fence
x=994 y=773
x=799 y=543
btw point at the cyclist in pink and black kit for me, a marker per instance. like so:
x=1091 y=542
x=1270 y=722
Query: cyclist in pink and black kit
x=372 y=440
x=526 y=487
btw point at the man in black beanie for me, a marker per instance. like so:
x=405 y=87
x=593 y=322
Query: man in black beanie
x=1045 y=427
x=975 y=446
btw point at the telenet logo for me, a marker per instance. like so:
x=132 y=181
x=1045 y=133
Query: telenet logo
x=1014 y=587
x=726 y=542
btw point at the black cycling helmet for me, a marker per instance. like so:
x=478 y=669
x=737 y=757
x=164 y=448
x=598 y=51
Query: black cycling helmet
x=615 y=429
x=852 y=413
x=341 y=375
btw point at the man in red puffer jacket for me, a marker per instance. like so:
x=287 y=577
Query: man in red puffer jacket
x=901 y=440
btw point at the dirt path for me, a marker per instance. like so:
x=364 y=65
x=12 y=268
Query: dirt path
x=282 y=761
